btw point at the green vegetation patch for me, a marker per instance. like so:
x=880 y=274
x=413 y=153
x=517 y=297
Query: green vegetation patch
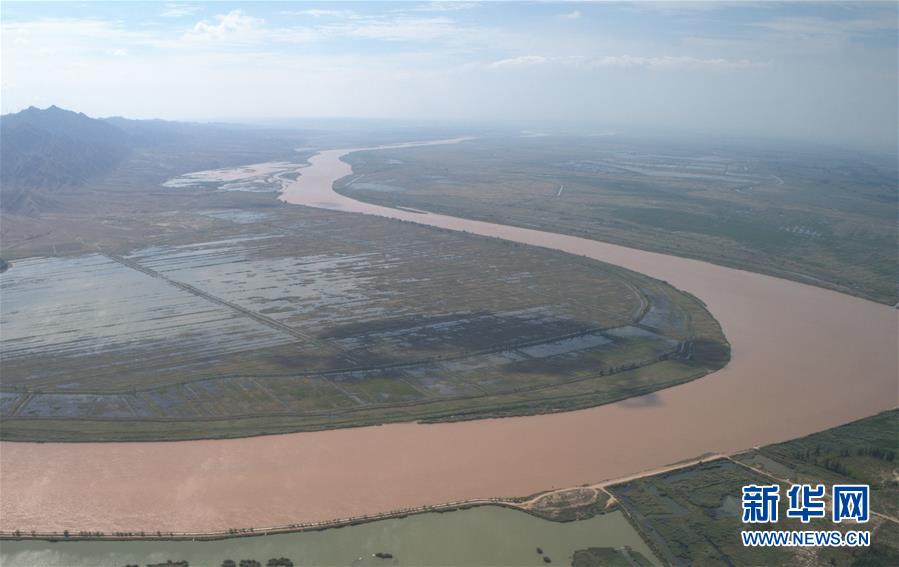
x=571 y=505
x=862 y=452
x=692 y=516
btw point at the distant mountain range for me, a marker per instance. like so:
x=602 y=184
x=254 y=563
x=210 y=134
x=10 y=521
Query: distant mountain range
x=53 y=148
x=45 y=151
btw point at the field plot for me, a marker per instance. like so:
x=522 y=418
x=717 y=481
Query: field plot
x=90 y=320
x=258 y=319
x=693 y=516
x=827 y=219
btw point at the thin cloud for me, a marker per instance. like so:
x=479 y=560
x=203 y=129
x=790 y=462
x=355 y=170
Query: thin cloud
x=234 y=25
x=320 y=13
x=675 y=7
x=662 y=62
x=521 y=61
x=625 y=61
x=575 y=15
x=73 y=33
x=823 y=27
x=398 y=29
x=237 y=27
x=445 y=6
x=179 y=10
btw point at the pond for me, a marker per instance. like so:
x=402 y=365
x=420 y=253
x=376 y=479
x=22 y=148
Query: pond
x=488 y=535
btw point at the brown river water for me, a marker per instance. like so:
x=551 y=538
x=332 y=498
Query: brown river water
x=804 y=359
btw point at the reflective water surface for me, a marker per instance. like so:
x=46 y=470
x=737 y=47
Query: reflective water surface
x=476 y=537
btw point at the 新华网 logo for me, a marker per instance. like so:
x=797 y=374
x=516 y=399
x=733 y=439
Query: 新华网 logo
x=805 y=502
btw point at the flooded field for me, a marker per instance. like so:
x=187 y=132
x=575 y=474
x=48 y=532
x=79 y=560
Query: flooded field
x=263 y=178
x=804 y=359
x=480 y=536
x=318 y=320
x=93 y=314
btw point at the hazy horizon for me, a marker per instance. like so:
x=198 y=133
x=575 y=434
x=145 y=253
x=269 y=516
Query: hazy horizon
x=817 y=72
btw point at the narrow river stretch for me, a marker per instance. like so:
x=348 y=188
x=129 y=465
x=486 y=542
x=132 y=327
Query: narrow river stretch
x=804 y=359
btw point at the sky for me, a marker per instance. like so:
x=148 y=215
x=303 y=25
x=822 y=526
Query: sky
x=823 y=72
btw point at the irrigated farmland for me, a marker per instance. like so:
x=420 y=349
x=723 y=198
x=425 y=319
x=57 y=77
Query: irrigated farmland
x=692 y=515
x=271 y=318
x=825 y=218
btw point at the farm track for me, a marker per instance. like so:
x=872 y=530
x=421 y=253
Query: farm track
x=233 y=306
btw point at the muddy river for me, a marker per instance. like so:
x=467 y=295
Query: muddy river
x=804 y=359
